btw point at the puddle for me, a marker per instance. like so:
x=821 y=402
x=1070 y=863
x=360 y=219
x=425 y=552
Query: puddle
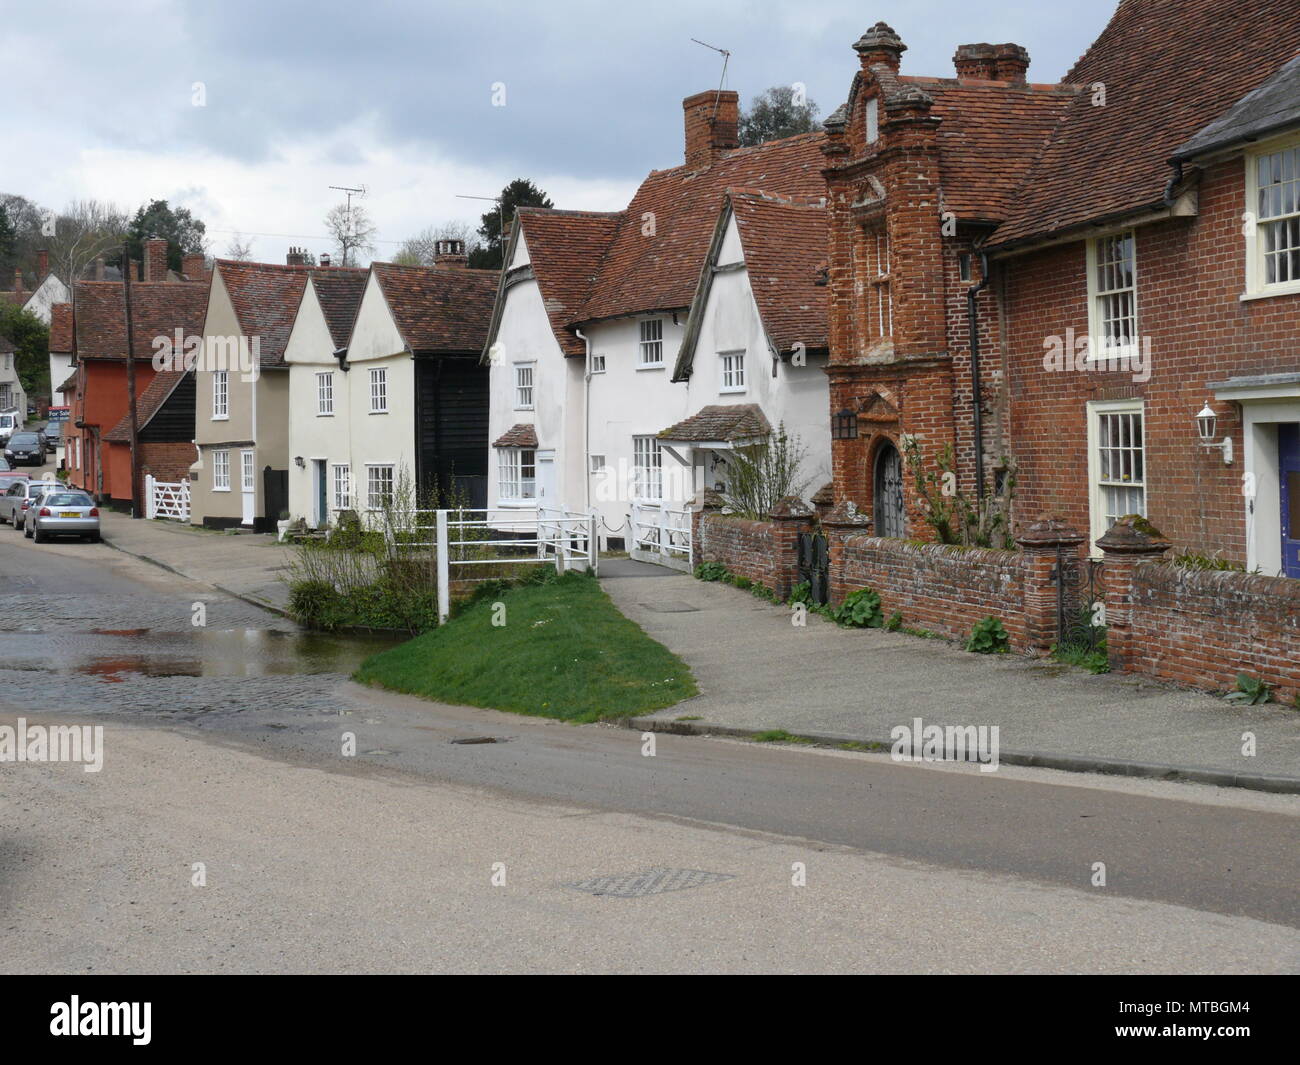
x=111 y=655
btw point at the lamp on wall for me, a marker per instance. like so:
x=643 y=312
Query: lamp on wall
x=299 y=462
x=844 y=425
x=1205 y=425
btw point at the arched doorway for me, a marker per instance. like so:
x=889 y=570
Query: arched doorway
x=887 y=491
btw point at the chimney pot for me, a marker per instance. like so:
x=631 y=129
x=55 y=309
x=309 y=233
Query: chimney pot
x=712 y=125
x=99 y=268
x=325 y=259
x=880 y=45
x=991 y=62
x=449 y=252
x=295 y=257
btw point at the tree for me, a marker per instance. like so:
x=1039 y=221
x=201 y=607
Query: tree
x=31 y=339
x=239 y=249
x=519 y=193
x=352 y=231
x=421 y=249
x=781 y=111
x=185 y=234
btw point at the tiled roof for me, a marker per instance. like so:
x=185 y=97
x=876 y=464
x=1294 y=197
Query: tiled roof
x=147 y=404
x=517 y=436
x=339 y=290
x=70 y=385
x=6 y=345
x=565 y=249
x=785 y=256
x=742 y=421
x=643 y=272
x=1169 y=68
x=1273 y=105
x=158 y=308
x=439 y=309
x=265 y=297
x=61 y=328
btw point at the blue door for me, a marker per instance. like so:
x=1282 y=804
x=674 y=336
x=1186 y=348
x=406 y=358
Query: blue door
x=1288 y=440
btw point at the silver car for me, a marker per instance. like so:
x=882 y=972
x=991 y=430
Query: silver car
x=20 y=495
x=62 y=512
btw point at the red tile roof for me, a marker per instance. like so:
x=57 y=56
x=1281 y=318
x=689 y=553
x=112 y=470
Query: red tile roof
x=439 y=309
x=517 y=436
x=339 y=290
x=61 y=328
x=644 y=271
x=1169 y=68
x=147 y=404
x=265 y=297
x=158 y=308
x=785 y=255
x=565 y=249
x=740 y=421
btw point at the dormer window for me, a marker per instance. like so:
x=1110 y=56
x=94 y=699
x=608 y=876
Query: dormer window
x=873 y=119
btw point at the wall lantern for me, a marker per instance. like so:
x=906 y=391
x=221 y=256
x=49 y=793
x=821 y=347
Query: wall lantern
x=844 y=425
x=299 y=462
x=1205 y=425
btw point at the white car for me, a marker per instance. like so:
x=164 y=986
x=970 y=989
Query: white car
x=18 y=497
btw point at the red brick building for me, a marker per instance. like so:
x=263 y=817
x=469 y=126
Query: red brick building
x=1140 y=223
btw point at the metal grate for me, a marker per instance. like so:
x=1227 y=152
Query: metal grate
x=651 y=882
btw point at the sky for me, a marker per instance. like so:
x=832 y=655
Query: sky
x=247 y=111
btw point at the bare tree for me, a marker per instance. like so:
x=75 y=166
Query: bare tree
x=239 y=249
x=83 y=231
x=421 y=249
x=352 y=231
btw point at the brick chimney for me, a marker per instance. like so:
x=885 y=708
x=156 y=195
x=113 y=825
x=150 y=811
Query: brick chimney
x=18 y=280
x=712 y=126
x=194 y=266
x=450 y=254
x=295 y=257
x=325 y=259
x=155 y=259
x=42 y=264
x=880 y=45
x=992 y=62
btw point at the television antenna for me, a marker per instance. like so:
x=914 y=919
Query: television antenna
x=726 y=58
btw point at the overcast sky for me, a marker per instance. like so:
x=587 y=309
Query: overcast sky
x=398 y=96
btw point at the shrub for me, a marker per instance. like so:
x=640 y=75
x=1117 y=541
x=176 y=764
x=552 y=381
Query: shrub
x=801 y=593
x=1251 y=691
x=759 y=475
x=988 y=637
x=895 y=622
x=711 y=571
x=860 y=609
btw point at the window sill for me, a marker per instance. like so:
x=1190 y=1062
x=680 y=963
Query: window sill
x=215 y=489
x=652 y=366
x=378 y=412
x=221 y=417
x=516 y=504
x=524 y=408
x=324 y=414
x=1291 y=288
x=732 y=391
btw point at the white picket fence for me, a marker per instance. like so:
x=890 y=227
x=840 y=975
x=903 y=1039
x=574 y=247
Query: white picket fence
x=166 y=499
x=474 y=537
x=662 y=535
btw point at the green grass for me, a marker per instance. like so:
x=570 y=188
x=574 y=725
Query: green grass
x=565 y=651
x=779 y=735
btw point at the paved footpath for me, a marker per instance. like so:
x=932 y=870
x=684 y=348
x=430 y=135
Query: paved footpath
x=757 y=671
x=248 y=566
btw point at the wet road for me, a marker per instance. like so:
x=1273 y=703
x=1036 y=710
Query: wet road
x=85 y=630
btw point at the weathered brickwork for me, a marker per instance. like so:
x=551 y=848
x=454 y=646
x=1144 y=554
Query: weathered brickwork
x=763 y=551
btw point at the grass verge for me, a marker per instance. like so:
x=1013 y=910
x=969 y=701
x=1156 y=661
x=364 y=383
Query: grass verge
x=563 y=651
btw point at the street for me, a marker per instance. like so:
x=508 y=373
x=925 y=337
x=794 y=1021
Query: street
x=229 y=831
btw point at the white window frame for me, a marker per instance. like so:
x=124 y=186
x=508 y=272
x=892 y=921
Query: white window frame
x=379 y=390
x=1097 y=508
x=598 y=364
x=221 y=471
x=650 y=350
x=1256 y=271
x=220 y=395
x=342 y=486
x=325 y=394
x=1098 y=349
x=513 y=487
x=598 y=464
x=373 y=468
x=647 y=476
x=731 y=378
x=247 y=470
x=873 y=120
x=525 y=381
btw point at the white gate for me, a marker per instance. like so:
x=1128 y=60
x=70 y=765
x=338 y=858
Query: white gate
x=166 y=499
x=661 y=534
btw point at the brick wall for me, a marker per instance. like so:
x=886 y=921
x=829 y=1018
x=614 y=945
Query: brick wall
x=167 y=462
x=941 y=588
x=763 y=551
x=1203 y=627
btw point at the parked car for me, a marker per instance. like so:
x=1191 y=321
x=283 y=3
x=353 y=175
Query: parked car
x=62 y=512
x=18 y=498
x=10 y=422
x=25 y=449
x=53 y=434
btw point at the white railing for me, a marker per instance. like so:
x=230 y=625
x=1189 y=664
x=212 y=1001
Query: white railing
x=474 y=537
x=166 y=499
x=661 y=533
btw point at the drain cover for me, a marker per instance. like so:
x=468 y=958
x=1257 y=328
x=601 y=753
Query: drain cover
x=651 y=882
x=671 y=606
x=477 y=739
